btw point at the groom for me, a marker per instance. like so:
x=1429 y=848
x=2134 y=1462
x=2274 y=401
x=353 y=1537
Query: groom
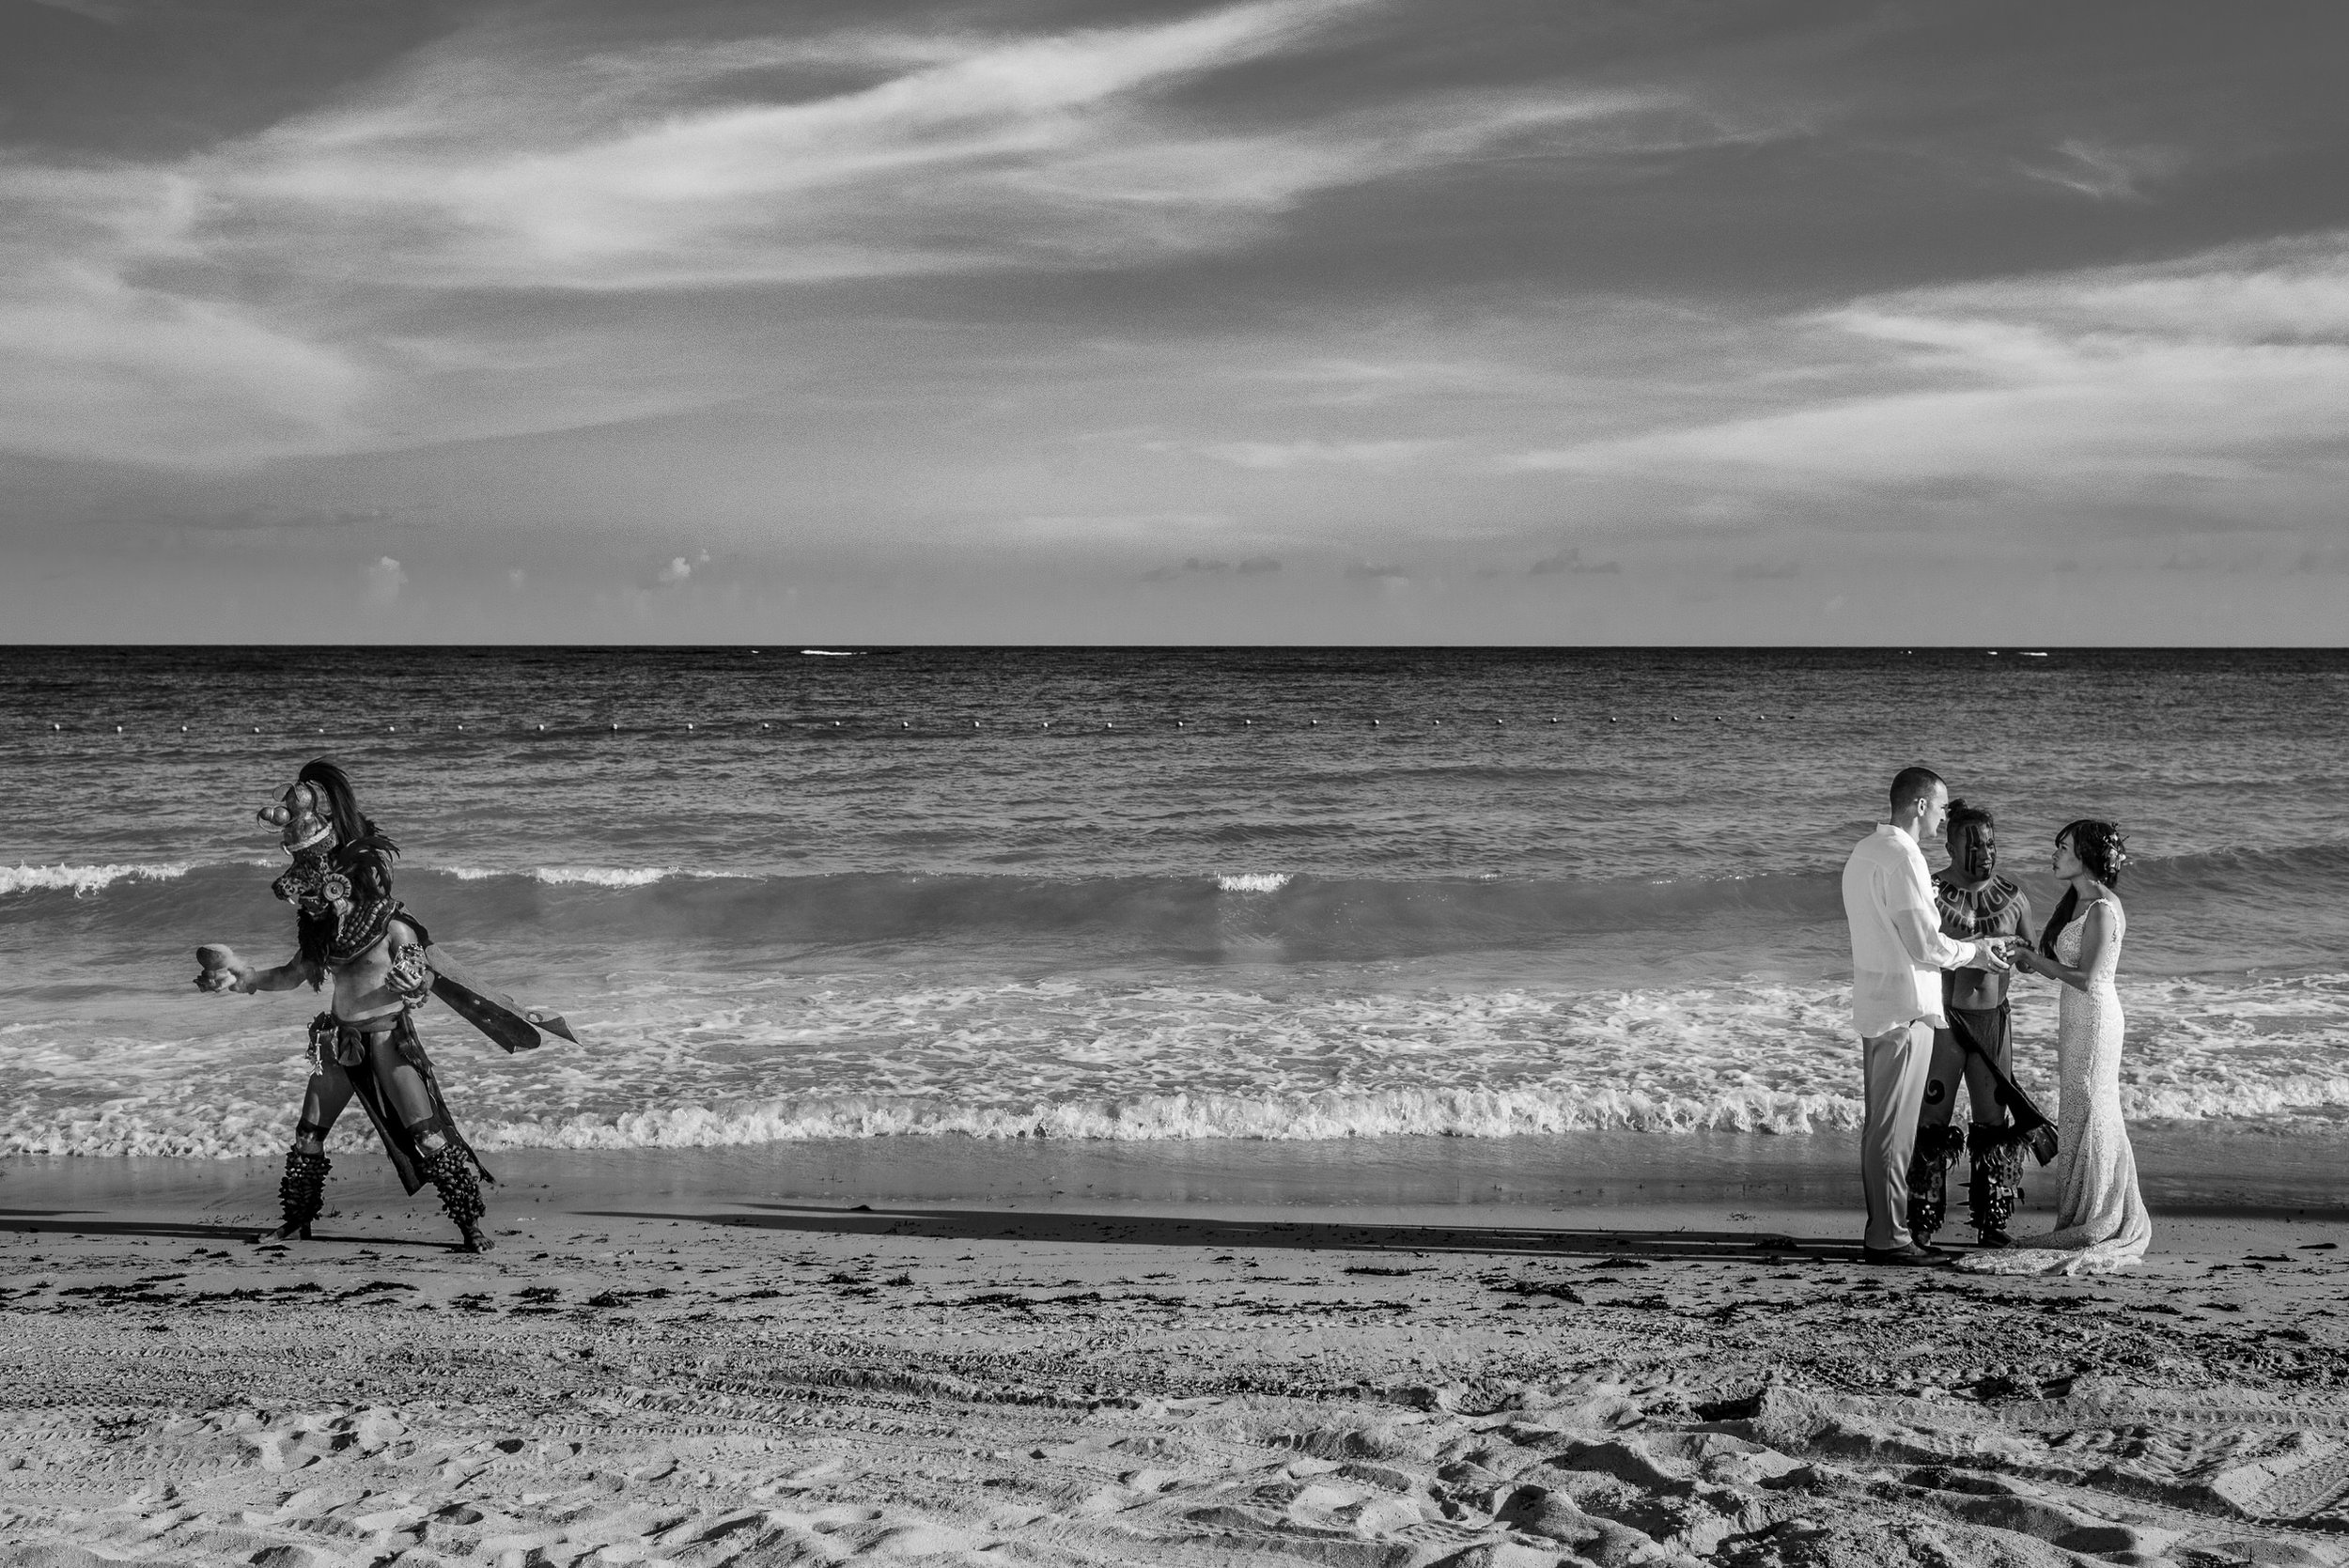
x=1897 y=954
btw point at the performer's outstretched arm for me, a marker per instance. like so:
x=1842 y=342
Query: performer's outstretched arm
x=294 y=972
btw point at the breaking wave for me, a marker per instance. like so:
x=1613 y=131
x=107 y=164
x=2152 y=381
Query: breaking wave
x=569 y=875
x=1175 y=916
x=82 y=880
x=1281 y=915
x=763 y=1060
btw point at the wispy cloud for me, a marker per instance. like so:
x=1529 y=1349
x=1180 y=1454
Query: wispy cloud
x=605 y=172
x=95 y=363
x=2105 y=172
x=1313 y=453
x=260 y=296
x=2114 y=379
x=110 y=12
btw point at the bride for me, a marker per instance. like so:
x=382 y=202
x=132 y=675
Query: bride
x=2101 y=1222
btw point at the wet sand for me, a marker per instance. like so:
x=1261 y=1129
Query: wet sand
x=1097 y=1354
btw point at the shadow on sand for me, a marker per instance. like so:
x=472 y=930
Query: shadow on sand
x=43 y=1223
x=48 y=1223
x=1748 y=1247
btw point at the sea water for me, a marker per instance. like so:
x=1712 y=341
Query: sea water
x=789 y=895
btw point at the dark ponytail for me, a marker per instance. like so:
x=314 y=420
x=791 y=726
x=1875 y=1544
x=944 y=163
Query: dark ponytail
x=2101 y=853
x=361 y=851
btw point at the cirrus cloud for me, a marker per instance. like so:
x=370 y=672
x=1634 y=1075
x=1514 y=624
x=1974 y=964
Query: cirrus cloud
x=275 y=293
x=2219 y=366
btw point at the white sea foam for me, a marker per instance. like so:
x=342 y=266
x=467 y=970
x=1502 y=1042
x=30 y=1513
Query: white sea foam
x=81 y=881
x=678 y=1060
x=1253 y=881
x=564 y=876
x=1395 y=1111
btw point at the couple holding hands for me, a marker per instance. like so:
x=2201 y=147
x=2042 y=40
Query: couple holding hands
x=1932 y=961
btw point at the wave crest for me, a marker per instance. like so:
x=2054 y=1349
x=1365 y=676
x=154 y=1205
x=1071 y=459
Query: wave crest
x=567 y=875
x=1448 y=1112
x=1453 y=1112
x=850 y=1059
x=83 y=880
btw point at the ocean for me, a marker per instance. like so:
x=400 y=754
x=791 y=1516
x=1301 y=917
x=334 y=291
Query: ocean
x=1144 y=895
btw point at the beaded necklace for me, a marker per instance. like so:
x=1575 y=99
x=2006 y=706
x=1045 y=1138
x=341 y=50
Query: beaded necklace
x=1985 y=911
x=314 y=887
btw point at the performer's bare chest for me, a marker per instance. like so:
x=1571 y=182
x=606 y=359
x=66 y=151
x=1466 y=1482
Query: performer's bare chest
x=361 y=992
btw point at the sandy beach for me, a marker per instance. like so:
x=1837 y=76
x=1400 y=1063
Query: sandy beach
x=1069 y=784
x=676 y=1372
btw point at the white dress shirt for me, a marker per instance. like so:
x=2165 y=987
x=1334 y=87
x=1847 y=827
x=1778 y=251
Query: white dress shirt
x=1897 y=948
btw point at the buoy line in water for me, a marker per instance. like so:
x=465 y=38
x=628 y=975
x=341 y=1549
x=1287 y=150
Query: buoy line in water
x=905 y=726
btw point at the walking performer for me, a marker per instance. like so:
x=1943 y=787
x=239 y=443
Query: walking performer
x=384 y=967
x=1975 y=904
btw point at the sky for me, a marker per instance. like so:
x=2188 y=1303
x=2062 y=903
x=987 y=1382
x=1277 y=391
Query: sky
x=1289 y=320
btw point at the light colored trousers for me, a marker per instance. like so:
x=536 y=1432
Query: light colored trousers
x=1894 y=1067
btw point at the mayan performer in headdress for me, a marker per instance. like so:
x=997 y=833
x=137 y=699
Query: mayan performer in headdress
x=383 y=967
x=1975 y=904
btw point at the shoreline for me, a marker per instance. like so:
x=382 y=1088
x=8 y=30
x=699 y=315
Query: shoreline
x=2198 y=1169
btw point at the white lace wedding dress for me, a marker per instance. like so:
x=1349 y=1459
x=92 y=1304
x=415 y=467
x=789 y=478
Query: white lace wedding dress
x=2101 y=1222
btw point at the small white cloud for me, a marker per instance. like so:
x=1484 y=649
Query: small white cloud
x=515 y=579
x=678 y=571
x=385 y=579
x=110 y=12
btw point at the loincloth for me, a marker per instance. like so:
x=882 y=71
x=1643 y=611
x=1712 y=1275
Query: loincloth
x=1987 y=1032
x=344 y=1046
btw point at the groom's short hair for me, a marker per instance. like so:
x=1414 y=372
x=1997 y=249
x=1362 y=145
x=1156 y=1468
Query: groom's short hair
x=1912 y=784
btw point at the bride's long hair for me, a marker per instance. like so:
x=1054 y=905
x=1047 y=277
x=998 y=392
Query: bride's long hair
x=2102 y=852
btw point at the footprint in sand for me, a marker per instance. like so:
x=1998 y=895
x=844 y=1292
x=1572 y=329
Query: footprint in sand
x=1598 y=1470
